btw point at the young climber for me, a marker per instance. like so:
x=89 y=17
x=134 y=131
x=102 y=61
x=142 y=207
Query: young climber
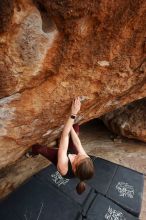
x=70 y=158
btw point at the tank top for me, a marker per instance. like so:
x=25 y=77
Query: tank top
x=70 y=174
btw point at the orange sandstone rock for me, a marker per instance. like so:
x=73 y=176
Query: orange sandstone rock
x=52 y=51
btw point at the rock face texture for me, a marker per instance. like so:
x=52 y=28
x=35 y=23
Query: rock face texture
x=129 y=121
x=52 y=51
x=6 y=14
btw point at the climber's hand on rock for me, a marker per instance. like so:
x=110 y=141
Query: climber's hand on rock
x=76 y=105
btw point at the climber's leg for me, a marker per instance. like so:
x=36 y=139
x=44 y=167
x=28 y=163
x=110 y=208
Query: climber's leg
x=50 y=153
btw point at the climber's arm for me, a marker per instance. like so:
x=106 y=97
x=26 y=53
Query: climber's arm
x=62 y=164
x=77 y=142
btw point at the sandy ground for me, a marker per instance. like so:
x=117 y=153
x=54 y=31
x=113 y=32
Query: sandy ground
x=99 y=141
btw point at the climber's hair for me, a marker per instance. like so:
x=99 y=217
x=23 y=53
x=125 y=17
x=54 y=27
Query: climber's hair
x=84 y=171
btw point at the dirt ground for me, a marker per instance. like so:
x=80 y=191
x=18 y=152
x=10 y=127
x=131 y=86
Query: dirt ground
x=99 y=141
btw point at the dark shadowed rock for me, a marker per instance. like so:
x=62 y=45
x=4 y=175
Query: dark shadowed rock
x=6 y=13
x=129 y=121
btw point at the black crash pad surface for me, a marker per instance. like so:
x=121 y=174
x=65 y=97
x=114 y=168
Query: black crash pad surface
x=35 y=200
x=104 y=209
x=7 y=214
x=104 y=173
x=126 y=189
x=49 y=196
x=67 y=186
